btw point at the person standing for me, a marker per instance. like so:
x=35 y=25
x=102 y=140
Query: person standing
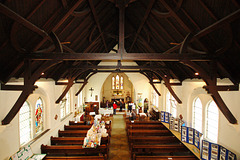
x=107 y=104
x=114 y=107
x=121 y=105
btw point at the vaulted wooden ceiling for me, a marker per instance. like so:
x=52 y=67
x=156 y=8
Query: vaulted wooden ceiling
x=168 y=39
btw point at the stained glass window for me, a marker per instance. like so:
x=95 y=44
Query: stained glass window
x=39 y=115
x=113 y=82
x=117 y=81
x=25 y=123
x=121 y=82
x=212 y=122
x=197 y=114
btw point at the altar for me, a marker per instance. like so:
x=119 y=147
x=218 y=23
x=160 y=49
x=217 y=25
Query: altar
x=105 y=111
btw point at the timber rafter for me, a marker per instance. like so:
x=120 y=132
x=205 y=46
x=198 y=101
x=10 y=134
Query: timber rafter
x=151 y=82
x=213 y=89
x=29 y=79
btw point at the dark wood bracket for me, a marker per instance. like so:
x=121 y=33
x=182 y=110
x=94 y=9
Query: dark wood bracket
x=168 y=85
x=29 y=80
x=213 y=89
x=84 y=83
x=69 y=85
x=151 y=82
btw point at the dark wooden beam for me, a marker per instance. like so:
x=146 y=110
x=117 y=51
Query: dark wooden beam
x=228 y=19
x=69 y=85
x=11 y=14
x=85 y=82
x=117 y=67
x=64 y=3
x=62 y=20
x=114 y=56
x=97 y=22
x=167 y=84
x=151 y=82
x=148 y=10
x=176 y=84
x=80 y=90
x=121 y=45
x=29 y=80
x=213 y=90
x=181 y=22
x=14 y=87
x=61 y=83
x=185 y=43
x=56 y=41
x=223 y=87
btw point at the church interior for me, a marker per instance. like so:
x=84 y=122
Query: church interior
x=156 y=79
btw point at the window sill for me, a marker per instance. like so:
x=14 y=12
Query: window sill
x=62 y=119
x=35 y=139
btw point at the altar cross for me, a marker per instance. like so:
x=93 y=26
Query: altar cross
x=91 y=89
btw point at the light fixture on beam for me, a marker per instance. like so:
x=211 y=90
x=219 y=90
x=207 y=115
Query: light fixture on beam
x=196 y=73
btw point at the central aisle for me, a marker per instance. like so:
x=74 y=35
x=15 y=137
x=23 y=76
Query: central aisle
x=119 y=149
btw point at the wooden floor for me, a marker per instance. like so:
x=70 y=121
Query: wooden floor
x=119 y=149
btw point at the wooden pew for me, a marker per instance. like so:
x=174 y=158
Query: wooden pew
x=74 y=140
x=84 y=123
x=146 y=126
x=136 y=140
x=136 y=132
x=72 y=133
x=80 y=127
x=149 y=122
x=160 y=157
x=77 y=123
x=68 y=150
x=84 y=127
x=151 y=150
x=77 y=127
x=100 y=157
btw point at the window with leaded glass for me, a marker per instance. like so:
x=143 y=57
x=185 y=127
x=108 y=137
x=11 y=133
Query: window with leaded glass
x=113 y=82
x=171 y=104
x=25 y=123
x=117 y=81
x=65 y=106
x=121 y=82
x=197 y=114
x=212 y=122
x=39 y=116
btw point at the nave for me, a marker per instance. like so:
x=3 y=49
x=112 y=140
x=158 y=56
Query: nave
x=143 y=139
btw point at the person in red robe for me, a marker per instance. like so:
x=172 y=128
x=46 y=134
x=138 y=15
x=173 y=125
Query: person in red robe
x=114 y=107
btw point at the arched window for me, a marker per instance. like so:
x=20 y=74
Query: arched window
x=67 y=103
x=197 y=114
x=39 y=116
x=25 y=123
x=168 y=105
x=171 y=104
x=113 y=82
x=121 y=82
x=117 y=81
x=155 y=98
x=212 y=122
x=65 y=106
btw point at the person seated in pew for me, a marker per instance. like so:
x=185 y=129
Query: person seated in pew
x=132 y=115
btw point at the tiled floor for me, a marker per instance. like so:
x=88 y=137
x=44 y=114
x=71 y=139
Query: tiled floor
x=119 y=149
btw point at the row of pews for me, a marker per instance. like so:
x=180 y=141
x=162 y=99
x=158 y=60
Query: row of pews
x=152 y=140
x=69 y=144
